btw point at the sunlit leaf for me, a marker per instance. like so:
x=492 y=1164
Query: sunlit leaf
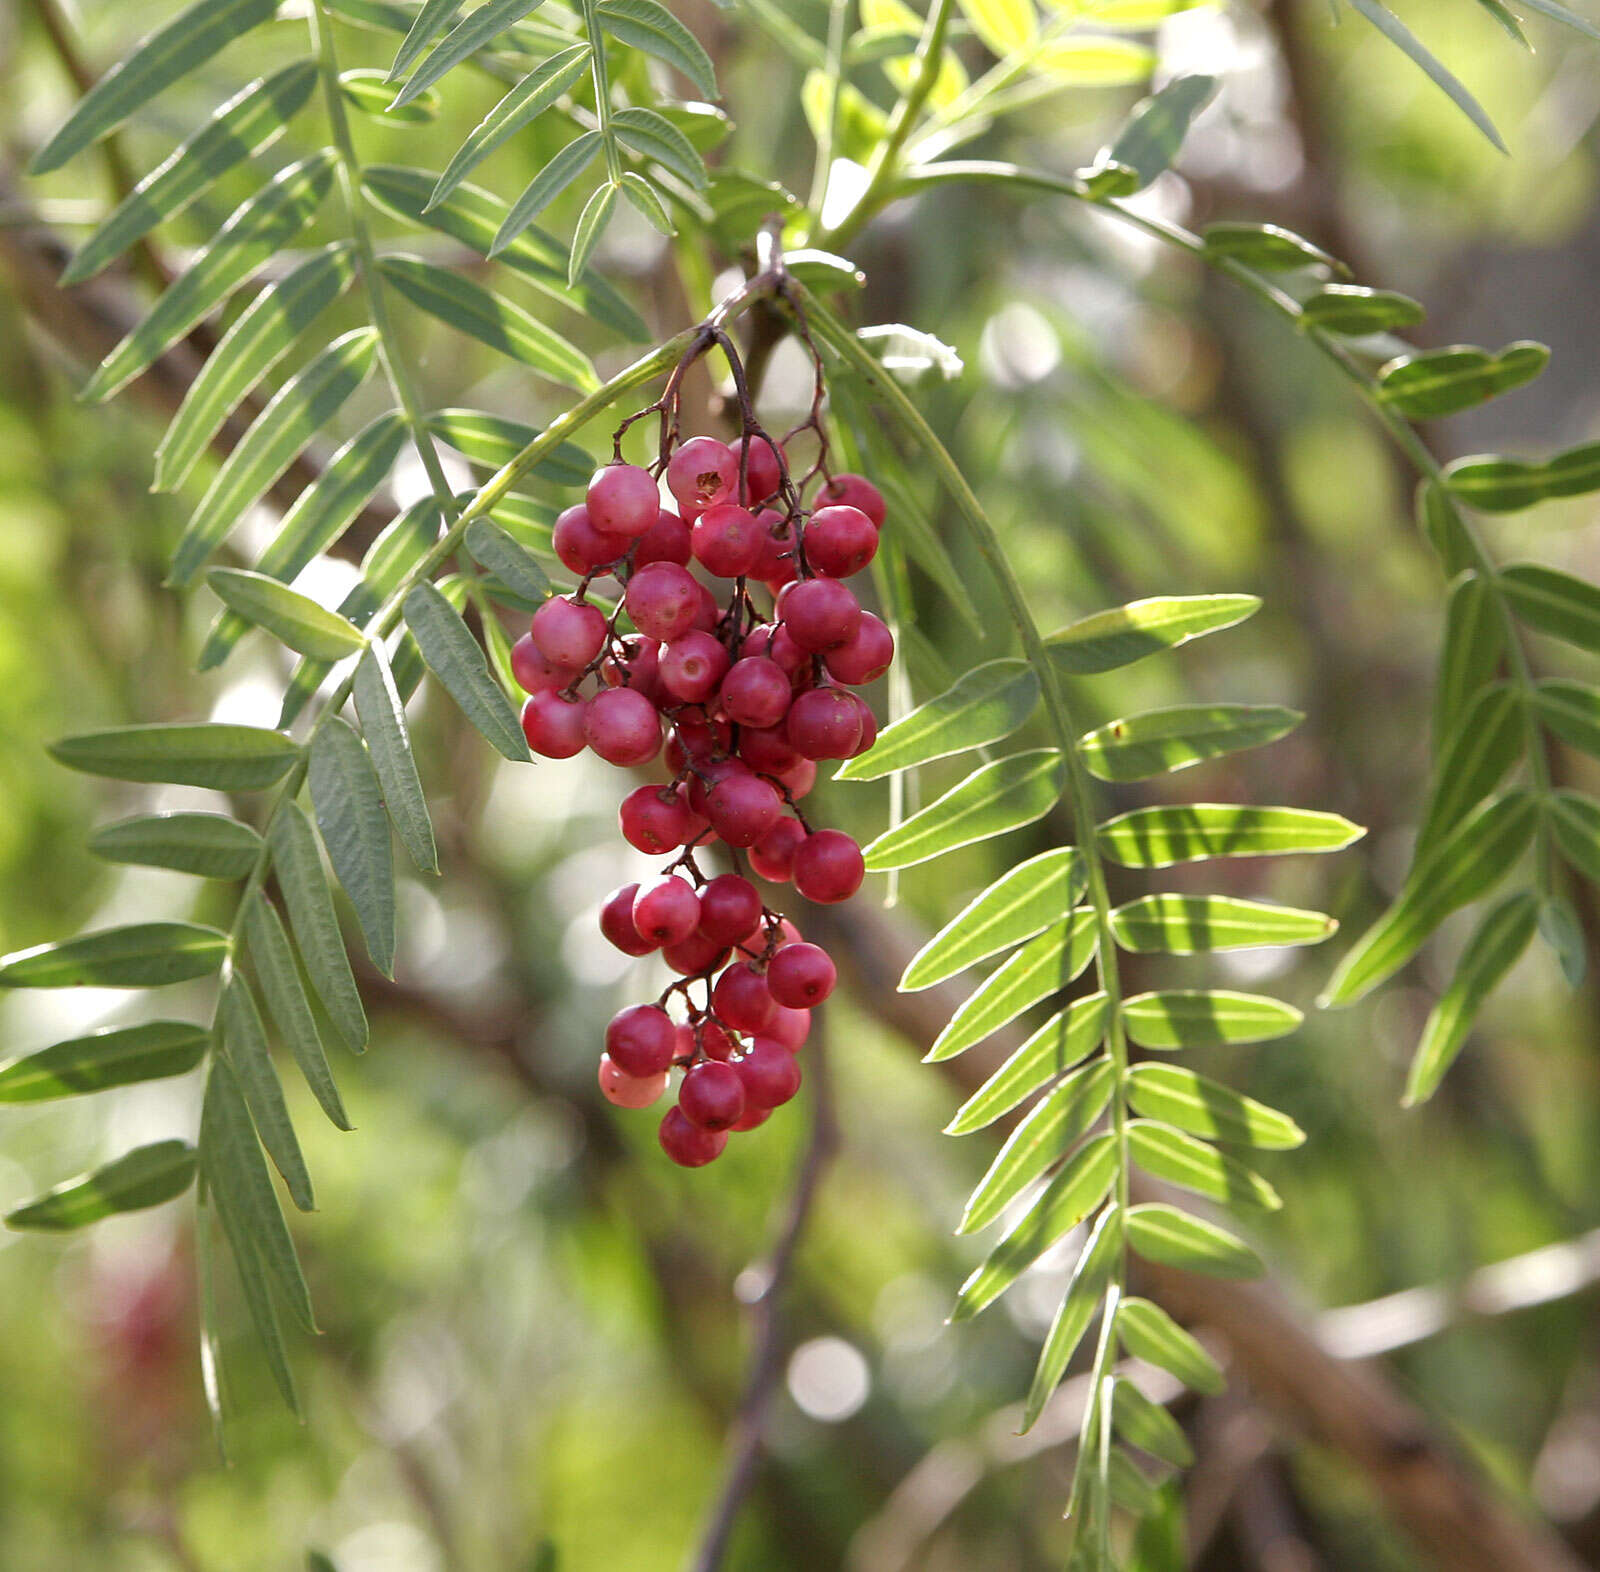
x=653 y=136
x=1069 y=1036
x=1163 y=1234
x=1474 y=642
x=1192 y=924
x=1193 y=1164
x=1154 y=131
x=1078 y=1307
x=117 y=1056
x=1488 y=741
x=1554 y=602
x=146 y=1176
x=289 y=616
x=431 y=19
x=467 y=37
x=1189 y=832
x=494 y=440
x=1444 y=381
x=591 y=226
x=653 y=28
x=1268 y=248
x=1175 y=739
x=1355 y=310
x=1004 y=26
x=140 y=955
x=1147 y=1332
x=546 y=186
x=1125 y=634
x=1202 y=1018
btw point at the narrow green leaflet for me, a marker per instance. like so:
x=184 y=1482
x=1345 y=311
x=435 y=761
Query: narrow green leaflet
x=251 y=1267
x=1572 y=711
x=316 y=927
x=194 y=753
x=1355 y=311
x=454 y=657
x=1465 y=865
x=653 y=28
x=1149 y=1426
x=1125 y=634
x=431 y=19
x=645 y=200
x=1069 y=1036
x=211 y=1381
x=1441 y=522
x=1204 y=1018
x=998 y=797
x=1164 y=1234
x=495 y=550
x=1474 y=644
x=1445 y=381
x=1153 y=133
x=1078 y=1307
x=1158 y=741
x=1268 y=248
x=355 y=829
x=467 y=37
x=208 y=844
x=1192 y=1164
x=262 y=334
x=1049 y=1130
x=1194 y=924
x=1205 y=1107
x=1554 y=602
x=267 y=945
x=142 y=955
x=1489 y=740
x=162 y=58
x=1016 y=906
x=292 y=618
x=1565 y=15
x=546 y=186
x=1069 y=1198
x=987 y=704
x=1495 y=484
x=248 y=122
x=117 y=1056
x=1577 y=825
x=494 y=440
x=244 y=1039
x=1493 y=950
x=535 y=93
x=383 y=722
x=591 y=226
x=1190 y=832
x=369 y=93
x=257 y=231
x=491 y=319
x=144 y=1177
x=1147 y=1332
x=653 y=136
x=301 y=409
x=1043 y=966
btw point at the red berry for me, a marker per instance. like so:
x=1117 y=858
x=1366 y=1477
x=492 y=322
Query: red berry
x=763 y=474
x=741 y=998
x=865 y=656
x=629 y=1091
x=714 y=1043
x=775 y=643
x=580 y=546
x=787 y=934
x=799 y=778
x=777 y=547
x=790 y=1027
x=742 y=808
x=855 y=492
x=755 y=692
x=824 y=724
x=730 y=909
x=727 y=540
x=667 y=540
x=751 y=1119
x=569 y=632
x=772 y=856
x=828 y=867
x=687 y=1144
x=533 y=671
x=655 y=820
x=638 y=668
x=695 y=956
x=663 y=600
x=840 y=541
x=616 y=922
x=712 y=1094
x=709 y=614
x=766 y=750
x=820 y=614
x=623 y=500
x=700 y=472
x=666 y=910
x=622 y=726
x=768 y=1073
x=641 y=1040
x=693 y=667
x=553 y=725
x=869 y=725
x=708 y=775
x=801 y=976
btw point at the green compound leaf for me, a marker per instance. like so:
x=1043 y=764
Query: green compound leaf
x=1159 y=741
x=1206 y=1017
x=1192 y=1164
x=653 y=28
x=144 y=1177
x=1069 y=1036
x=1445 y=381
x=1554 y=602
x=454 y=657
x=467 y=37
x=1490 y=739
x=383 y=721
x=292 y=618
x=515 y=568
x=1267 y=248
x=1194 y=924
x=992 y=800
x=546 y=186
x=1165 y=1235
x=1014 y=908
x=1355 y=311
x=244 y=1040
x=1147 y=1332
x=1493 y=950
x=355 y=829
x=1190 y=832
x=1043 y=966
x=117 y=1056
x=162 y=58
x=210 y=845
x=1205 y=1107
x=653 y=136
x=142 y=955
x=1572 y=711
x=986 y=705
x=1078 y=1306
x=1148 y=1425
x=1125 y=634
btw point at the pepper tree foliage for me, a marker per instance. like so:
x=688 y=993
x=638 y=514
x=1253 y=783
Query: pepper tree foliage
x=891 y=95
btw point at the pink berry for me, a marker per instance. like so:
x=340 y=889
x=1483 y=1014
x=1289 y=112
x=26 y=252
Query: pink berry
x=766 y=750
x=824 y=724
x=533 y=671
x=622 y=726
x=828 y=867
x=662 y=599
x=700 y=472
x=667 y=540
x=777 y=547
x=694 y=956
x=712 y=1094
x=762 y=473
x=865 y=656
x=641 y=1040
x=869 y=725
x=569 y=632
x=616 y=922
x=742 y=808
x=709 y=775
x=699 y=739
x=790 y=1027
x=629 y=1091
x=712 y=1041
x=772 y=857
x=623 y=500
x=687 y=1144
x=755 y=692
x=581 y=547
x=820 y=614
x=730 y=909
x=751 y=1119
x=768 y=1073
x=655 y=820
x=840 y=541
x=799 y=778
x=727 y=540
x=553 y=725
x=639 y=667
x=741 y=998
x=709 y=614
x=776 y=644
x=693 y=667
x=854 y=492
x=801 y=976
x=666 y=910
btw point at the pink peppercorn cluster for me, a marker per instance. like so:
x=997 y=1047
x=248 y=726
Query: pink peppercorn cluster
x=740 y=705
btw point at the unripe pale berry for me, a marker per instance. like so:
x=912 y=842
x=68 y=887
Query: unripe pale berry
x=655 y=820
x=687 y=1144
x=730 y=909
x=742 y=999
x=712 y=1094
x=855 y=492
x=693 y=667
x=581 y=547
x=772 y=857
x=535 y=673
x=768 y=1073
x=828 y=867
x=694 y=956
x=616 y=922
x=666 y=909
x=727 y=540
x=865 y=656
x=762 y=473
x=840 y=540
x=701 y=471
x=623 y=500
x=820 y=614
x=824 y=724
x=663 y=600
x=742 y=808
x=641 y=1040
x=801 y=976
x=569 y=632
x=553 y=725
x=622 y=726
x=790 y=1027
x=629 y=1091
x=755 y=692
